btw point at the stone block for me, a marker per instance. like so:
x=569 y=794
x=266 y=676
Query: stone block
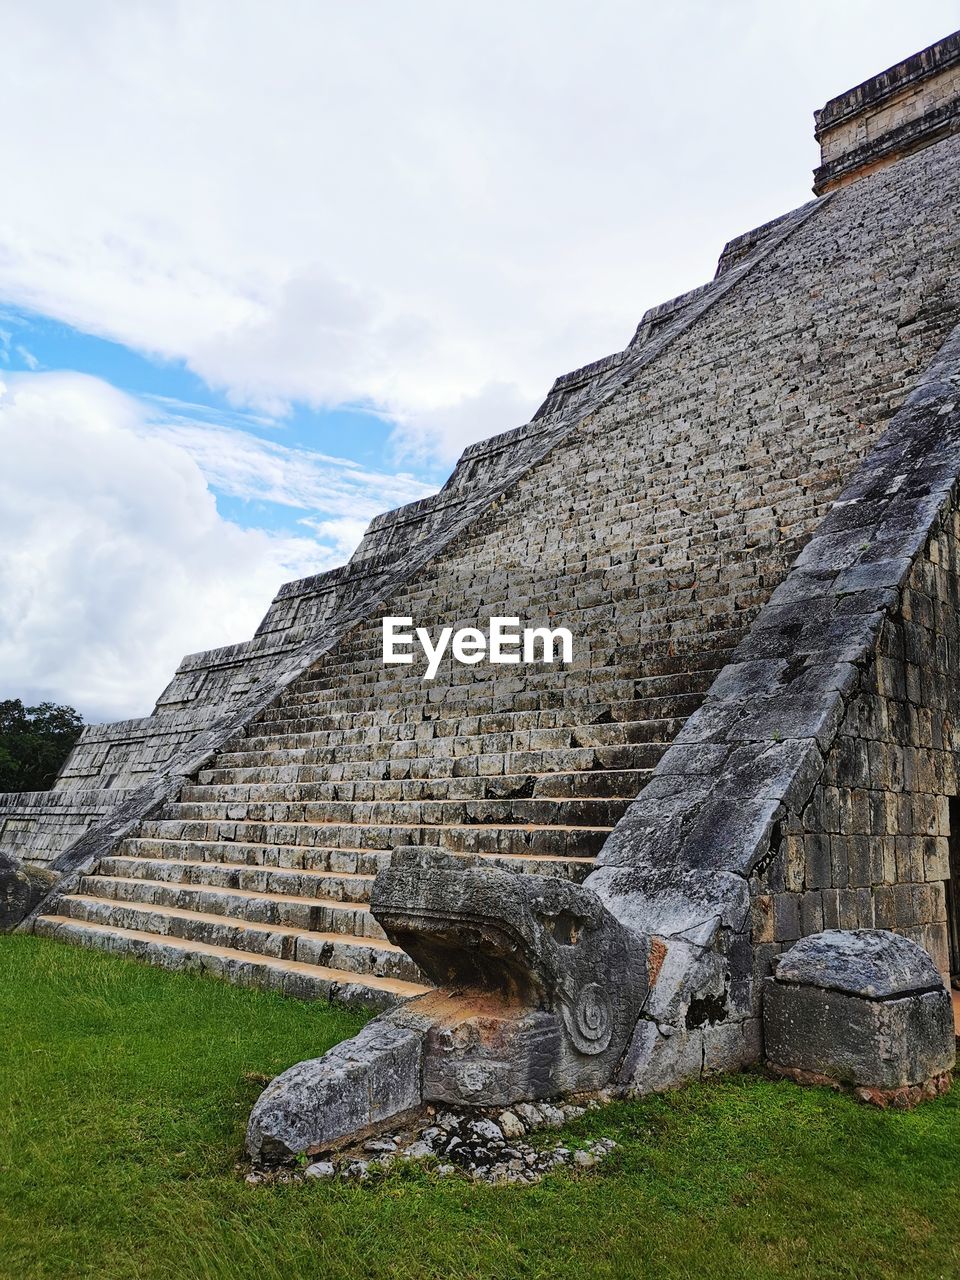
x=353 y=1088
x=864 y=1008
x=21 y=889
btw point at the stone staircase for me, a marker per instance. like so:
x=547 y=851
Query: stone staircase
x=261 y=870
x=653 y=505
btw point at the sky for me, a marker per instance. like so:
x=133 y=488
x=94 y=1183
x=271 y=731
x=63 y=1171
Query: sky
x=266 y=269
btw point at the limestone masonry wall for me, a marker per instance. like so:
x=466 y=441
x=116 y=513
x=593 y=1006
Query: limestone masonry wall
x=870 y=848
x=215 y=691
x=906 y=107
x=36 y=825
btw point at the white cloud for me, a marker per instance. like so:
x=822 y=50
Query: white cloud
x=430 y=208
x=114 y=561
x=445 y=431
x=343 y=533
x=27 y=356
x=245 y=466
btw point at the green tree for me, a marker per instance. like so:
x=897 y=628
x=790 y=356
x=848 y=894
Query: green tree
x=34 y=742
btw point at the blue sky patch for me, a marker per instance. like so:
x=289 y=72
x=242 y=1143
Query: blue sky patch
x=310 y=473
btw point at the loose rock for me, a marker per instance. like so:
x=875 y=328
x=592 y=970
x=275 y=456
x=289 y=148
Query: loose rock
x=475 y=1145
x=380 y=1145
x=529 y=1114
x=510 y=1125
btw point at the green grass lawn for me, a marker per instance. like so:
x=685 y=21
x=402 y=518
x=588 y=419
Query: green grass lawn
x=124 y=1096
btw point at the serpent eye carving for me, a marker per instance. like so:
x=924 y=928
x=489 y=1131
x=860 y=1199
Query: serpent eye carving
x=564 y=927
x=590 y=1020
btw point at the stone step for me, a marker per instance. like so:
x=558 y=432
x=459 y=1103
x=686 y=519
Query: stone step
x=345 y=862
x=300 y=882
x=553 y=688
x=632 y=654
x=356 y=743
x=394 y=762
x=321 y=679
x=288 y=977
x=687 y=657
x=364 y=711
x=502 y=838
x=332 y=950
x=546 y=811
x=363 y=667
x=313 y=913
x=310 y=782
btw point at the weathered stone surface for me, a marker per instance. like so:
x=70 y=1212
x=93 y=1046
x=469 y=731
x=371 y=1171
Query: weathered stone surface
x=493 y=1057
x=470 y=1142
x=356 y=1086
x=510 y=1124
x=872 y=963
x=549 y=984
x=907 y=107
x=38 y=825
x=21 y=888
x=661 y=1059
x=865 y=1008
